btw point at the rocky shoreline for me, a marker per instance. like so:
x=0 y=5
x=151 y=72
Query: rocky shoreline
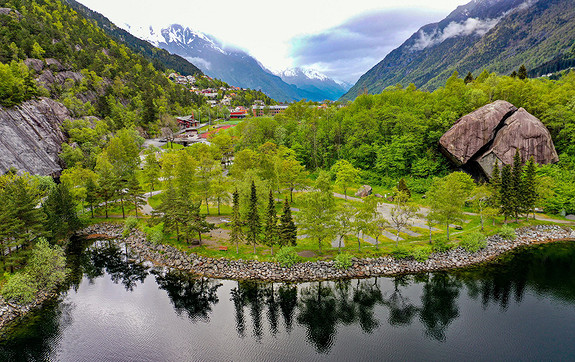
x=222 y=268
x=11 y=311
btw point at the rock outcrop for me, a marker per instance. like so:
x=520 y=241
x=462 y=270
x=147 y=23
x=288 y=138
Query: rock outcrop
x=492 y=134
x=31 y=137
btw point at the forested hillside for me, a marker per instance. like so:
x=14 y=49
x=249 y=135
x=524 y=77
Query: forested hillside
x=48 y=49
x=395 y=134
x=161 y=59
x=497 y=35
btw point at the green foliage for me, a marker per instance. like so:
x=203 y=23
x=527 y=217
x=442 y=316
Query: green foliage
x=440 y=245
x=287 y=227
x=130 y=225
x=473 y=242
x=46 y=269
x=421 y=254
x=61 y=216
x=16 y=84
x=154 y=234
x=507 y=232
x=287 y=257
x=401 y=252
x=253 y=218
x=342 y=261
x=19 y=288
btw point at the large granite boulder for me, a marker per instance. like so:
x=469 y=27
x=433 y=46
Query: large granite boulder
x=473 y=131
x=492 y=134
x=31 y=137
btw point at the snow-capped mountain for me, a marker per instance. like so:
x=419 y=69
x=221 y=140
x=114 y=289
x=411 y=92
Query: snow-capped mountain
x=314 y=82
x=233 y=66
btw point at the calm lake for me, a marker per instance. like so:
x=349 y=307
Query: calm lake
x=522 y=307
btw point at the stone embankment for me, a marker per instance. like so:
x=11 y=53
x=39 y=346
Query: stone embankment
x=222 y=268
x=10 y=311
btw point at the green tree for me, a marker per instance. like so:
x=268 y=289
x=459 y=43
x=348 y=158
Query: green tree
x=506 y=194
x=270 y=229
x=151 y=169
x=345 y=215
x=317 y=215
x=402 y=187
x=447 y=197
x=530 y=187
x=468 y=78
x=345 y=175
x=135 y=193
x=91 y=194
x=60 y=210
x=236 y=233
x=287 y=227
x=522 y=72
x=253 y=218
x=517 y=189
x=401 y=213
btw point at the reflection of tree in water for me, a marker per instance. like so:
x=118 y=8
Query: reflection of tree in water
x=401 y=309
x=317 y=312
x=287 y=300
x=112 y=260
x=439 y=304
x=547 y=269
x=325 y=305
x=190 y=295
x=257 y=297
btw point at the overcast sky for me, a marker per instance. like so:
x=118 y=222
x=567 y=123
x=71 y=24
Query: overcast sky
x=341 y=38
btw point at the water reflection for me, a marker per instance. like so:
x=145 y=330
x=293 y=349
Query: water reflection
x=190 y=295
x=429 y=304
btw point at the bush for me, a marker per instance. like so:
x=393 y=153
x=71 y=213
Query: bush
x=440 y=245
x=473 y=242
x=421 y=254
x=342 y=261
x=287 y=257
x=154 y=235
x=20 y=288
x=400 y=252
x=45 y=270
x=507 y=232
x=129 y=225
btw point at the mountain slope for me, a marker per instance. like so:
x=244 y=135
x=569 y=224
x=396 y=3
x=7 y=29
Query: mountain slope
x=161 y=59
x=497 y=35
x=233 y=66
x=319 y=85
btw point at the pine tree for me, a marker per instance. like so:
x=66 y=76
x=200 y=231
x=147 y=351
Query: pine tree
x=236 y=234
x=271 y=224
x=91 y=194
x=517 y=185
x=60 y=210
x=402 y=188
x=253 y=218
x=522 y=72
x=506 y=192
x=496 y=186
x=468 y=78
x=135 y=193
x=529 y=187
x=288 y=230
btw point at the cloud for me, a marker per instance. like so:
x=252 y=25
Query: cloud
x=453 y=29
x=347 y=51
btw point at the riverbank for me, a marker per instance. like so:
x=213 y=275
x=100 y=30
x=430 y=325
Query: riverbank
x=165 y=255
x=12 y=311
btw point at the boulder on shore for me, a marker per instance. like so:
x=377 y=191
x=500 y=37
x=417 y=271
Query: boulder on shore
x=492 y=134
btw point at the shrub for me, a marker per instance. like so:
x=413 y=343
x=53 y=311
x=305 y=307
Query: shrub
x=45 y=270
x=473 y=242
x=507 y=232
x=154 y=235
x=129 y=225
x=287 y=257
x=421 y=254
x=400 y=252
x=440 y=245
x=342 y=261
x=20 y=288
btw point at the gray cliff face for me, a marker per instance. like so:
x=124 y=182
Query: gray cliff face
x=492 y=134
x=31 y=137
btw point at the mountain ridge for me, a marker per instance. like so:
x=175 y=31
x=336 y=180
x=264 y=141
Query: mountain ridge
x=497 y=35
